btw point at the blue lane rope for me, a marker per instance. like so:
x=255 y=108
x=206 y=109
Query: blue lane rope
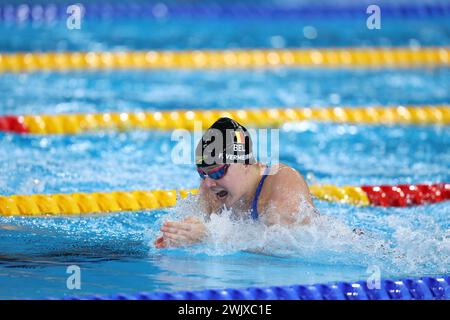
x=50 y=12
x=425 y=288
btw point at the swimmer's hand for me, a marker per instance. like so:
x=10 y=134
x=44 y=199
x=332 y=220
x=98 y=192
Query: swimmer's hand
x=181 y=233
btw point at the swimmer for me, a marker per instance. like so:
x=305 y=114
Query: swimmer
x=232 y=178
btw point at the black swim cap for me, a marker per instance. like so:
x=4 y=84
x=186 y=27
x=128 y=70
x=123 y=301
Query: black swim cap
x=226 y=141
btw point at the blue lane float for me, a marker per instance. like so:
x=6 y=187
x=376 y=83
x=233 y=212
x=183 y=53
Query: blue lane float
x=425 y=288
x=51 y=12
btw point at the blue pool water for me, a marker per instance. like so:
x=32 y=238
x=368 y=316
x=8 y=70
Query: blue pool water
x=115 y=251
x=224 y=89
x=213 y=33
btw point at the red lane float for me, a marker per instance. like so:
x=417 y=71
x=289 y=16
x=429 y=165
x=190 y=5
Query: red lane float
x=404 y=195
x=12 y=124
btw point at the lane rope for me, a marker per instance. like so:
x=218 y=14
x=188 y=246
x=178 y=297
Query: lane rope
x=218 y=59
x=97 y=202
x=424 y=288
x=49 y=12
x=256 y=118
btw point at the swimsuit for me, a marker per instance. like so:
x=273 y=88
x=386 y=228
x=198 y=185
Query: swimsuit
x=254 y=211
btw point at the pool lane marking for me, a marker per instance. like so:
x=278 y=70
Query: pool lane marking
x=48 y=12
x=188 y=119
x=410 y=288
x=374 y=57
x=102 y=202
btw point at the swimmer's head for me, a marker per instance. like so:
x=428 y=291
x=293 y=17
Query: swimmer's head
x=225 y=142
x=224 y=157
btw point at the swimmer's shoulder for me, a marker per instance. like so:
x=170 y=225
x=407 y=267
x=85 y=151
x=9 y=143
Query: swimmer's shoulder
x=282 y=175
x=282 y=198
x=284 y=182
x=280 y=178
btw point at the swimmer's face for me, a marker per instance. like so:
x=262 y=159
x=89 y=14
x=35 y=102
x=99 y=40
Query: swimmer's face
x=230 y=188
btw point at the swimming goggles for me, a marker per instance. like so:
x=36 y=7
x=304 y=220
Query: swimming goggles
x=215 y=174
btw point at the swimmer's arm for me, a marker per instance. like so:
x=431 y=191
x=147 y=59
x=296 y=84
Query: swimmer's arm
x=281 y=211
x=303 y=189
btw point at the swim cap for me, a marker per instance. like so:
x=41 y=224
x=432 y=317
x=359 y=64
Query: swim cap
x=226 y=141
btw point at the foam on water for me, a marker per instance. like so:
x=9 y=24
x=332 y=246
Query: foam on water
x=395 y=244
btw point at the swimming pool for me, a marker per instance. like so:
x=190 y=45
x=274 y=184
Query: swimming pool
x=115 y=251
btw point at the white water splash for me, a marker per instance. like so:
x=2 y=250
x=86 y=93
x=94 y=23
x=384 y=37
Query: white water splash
x=326 y=240
x=424 y=248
